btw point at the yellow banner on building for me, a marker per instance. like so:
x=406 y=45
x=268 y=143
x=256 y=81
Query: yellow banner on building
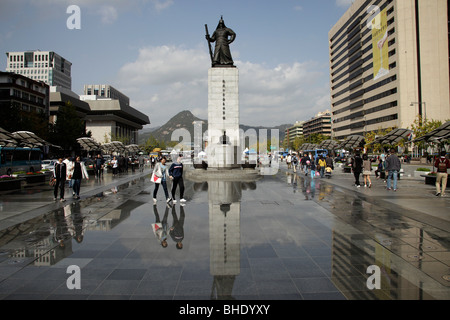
x=380 y=46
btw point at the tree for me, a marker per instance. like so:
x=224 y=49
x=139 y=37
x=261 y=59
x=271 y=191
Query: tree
x=317 y=138
x=421 y=127
x=153 y=143
x=370 y=137
x=298 y=142
x=14 y=118
x=68 y=128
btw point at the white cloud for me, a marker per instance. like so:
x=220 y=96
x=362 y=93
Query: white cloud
x=165 y=80
x=344 y=3
x=108 y=14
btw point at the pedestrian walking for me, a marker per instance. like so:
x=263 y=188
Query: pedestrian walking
x=176 y=175
x=442 y=164
x=161 y=171
x=367 y=167
x=312 y=168
x=79 y=173
x=288 y=161
x=141 y=160
x=356 y=164
x=321 y=165
x=379 y=169
x=294 y=161
x=393 y=166
x=115 y=165
x=329 y=162
x=69 y=165
x=98 y=165
x=60 y=175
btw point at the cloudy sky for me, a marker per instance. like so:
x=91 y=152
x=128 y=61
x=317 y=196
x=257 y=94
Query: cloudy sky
x=155 y=51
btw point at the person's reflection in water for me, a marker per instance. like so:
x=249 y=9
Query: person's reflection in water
x=294 y=183
x=177 y=229
x=160 y=228
x=78 y=223
x=60 y=225
x=309 y=188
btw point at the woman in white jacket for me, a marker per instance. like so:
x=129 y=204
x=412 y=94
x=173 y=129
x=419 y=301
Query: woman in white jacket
x=161 y=171
x=79 y=172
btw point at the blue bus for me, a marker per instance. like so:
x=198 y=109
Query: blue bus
x=316 y=153
x=19 y=159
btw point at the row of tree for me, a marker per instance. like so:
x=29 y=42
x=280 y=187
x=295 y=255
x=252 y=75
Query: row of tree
x=419 y=128
x=63 y=133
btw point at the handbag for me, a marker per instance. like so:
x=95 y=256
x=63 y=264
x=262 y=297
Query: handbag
x=52 y=182
x=155 y=178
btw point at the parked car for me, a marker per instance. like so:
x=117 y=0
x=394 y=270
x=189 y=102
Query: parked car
x=48 y=164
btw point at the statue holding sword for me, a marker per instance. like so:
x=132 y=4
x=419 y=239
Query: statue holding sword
x=223 y=37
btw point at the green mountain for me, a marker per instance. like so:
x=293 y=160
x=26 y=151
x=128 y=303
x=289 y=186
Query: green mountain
x=185 y=119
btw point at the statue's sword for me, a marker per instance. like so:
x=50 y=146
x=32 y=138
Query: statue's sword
x=209 y=43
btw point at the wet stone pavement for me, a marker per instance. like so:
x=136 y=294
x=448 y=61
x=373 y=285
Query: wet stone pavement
x=281 y=237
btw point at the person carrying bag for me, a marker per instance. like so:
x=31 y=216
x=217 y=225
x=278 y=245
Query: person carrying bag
x=159 y=176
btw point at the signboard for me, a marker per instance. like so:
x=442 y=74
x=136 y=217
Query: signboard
x=380 y=45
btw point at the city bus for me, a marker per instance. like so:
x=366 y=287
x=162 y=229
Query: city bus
x=19 y=159
x=315 y=153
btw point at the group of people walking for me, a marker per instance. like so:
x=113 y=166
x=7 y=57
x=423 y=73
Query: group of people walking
x=317 y=167
x=68 y=169
x=163 y=174
x=391 y=166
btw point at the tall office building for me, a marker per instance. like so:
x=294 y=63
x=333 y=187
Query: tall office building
x=389 y=62
x=46 y=66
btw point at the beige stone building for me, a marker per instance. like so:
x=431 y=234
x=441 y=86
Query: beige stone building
x=296 y=131
x=389 y=62
x=320 y=124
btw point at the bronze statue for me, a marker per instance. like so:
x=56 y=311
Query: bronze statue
x=223 y=37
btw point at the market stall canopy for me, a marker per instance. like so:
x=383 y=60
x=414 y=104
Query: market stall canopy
x=309 y=147
x=7 y=139
x=329 y=144
x=393 y=137
x=29 y=139
x=89 y=144
x=352 y=142
x=133 y=148
x=439 y=134
x=115 y=146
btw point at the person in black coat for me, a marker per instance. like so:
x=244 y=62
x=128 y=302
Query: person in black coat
x=59 y=174
x=357 y=163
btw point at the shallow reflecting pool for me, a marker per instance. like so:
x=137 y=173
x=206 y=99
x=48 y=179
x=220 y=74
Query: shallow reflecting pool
x=278 y=237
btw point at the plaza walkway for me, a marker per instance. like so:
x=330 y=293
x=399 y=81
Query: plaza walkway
x=280 y=237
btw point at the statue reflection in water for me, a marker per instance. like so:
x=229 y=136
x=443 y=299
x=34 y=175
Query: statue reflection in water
x=225 y=234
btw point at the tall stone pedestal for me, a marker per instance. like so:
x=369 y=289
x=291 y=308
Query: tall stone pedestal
x=223 y=118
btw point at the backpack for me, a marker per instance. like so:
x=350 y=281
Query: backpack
x=442 y=166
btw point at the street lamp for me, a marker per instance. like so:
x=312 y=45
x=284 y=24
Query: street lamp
x=420 y=108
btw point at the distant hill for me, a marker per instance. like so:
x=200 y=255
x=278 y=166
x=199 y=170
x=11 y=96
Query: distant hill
x=185 y=120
